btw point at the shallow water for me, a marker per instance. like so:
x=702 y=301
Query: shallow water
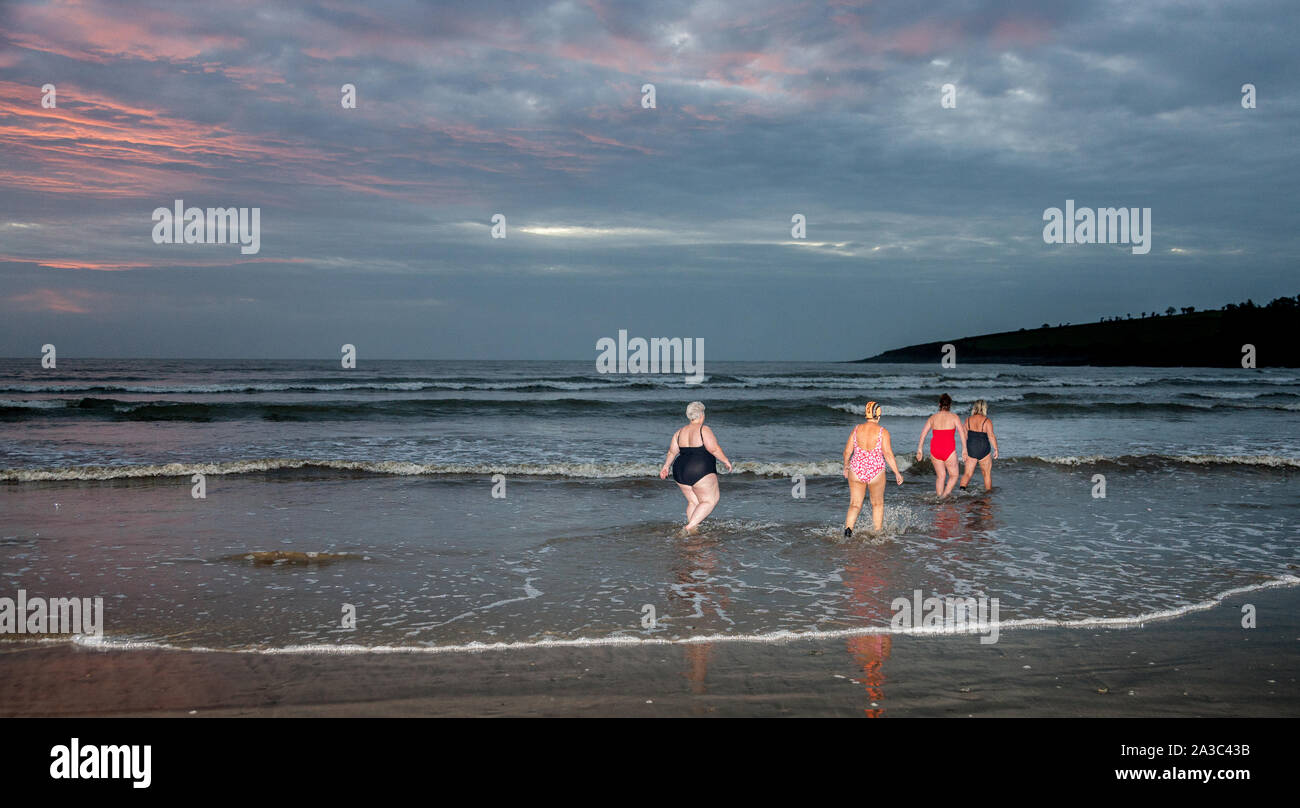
x=391 y=478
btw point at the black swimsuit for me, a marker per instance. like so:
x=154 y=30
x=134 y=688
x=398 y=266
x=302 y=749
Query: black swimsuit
x=977 y=444
x=694 y=463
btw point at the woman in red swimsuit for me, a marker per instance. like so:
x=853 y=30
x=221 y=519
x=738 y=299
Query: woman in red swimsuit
x=943 y=446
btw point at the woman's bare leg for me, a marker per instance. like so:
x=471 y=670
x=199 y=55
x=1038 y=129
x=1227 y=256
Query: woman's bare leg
x=691 y=500
x=877 y=489
x=940 y=475
x=986 y=468
x=857 y=492
x=951 y=465
x=706 y=490
x=970 y=470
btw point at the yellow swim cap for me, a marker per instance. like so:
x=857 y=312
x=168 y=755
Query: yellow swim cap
x=873 y=409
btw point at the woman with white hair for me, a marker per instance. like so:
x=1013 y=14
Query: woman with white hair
x=692 y=457
x=981 y=445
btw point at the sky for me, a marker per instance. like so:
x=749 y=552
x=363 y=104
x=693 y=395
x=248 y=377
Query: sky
x=924 y=221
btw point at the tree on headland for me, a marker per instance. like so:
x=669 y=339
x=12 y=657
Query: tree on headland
x=1279 y=303
x=1195 y=337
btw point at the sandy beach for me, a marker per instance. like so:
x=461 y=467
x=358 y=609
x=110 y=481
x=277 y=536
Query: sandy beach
x=1203 y=664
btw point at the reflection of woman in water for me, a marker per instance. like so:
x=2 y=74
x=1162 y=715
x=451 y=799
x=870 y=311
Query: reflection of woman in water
x=981 y=445
x=692 y=457
x=869 y=575
x=866 y=453
x=943 y=446
x=697 y=590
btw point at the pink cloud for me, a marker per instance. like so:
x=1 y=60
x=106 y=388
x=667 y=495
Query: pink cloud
x=608 y=141
x=1011 y=33
x=72 y=301
x=89 y=31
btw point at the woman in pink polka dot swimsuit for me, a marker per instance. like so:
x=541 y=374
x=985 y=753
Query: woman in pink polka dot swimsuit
x=865 y=469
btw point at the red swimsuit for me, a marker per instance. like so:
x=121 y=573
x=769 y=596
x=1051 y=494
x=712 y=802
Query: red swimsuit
x=942 y=444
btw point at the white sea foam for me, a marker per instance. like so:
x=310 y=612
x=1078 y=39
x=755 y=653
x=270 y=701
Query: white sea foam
x=576 y=470
x=306 y=387
x=390 y=467
x=1270 y=461
x=39 y=404
x=856 y=408
x=1133 y=621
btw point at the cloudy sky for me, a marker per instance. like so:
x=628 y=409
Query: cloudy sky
x=923 y=223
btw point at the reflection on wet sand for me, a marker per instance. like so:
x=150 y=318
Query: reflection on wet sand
x=693 y=569
x=979 y=514
x=867 y=577
x=947 y=522
x=968 y=521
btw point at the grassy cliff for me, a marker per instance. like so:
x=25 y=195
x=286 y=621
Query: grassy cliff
x=1191 y=339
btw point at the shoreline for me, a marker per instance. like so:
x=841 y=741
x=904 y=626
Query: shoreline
x=1200 y=664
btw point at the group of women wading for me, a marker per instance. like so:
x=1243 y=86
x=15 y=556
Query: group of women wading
x=694 y=451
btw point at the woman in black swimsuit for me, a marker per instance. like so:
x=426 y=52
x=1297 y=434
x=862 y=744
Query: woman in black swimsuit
x=692 y=457
x=981 y=445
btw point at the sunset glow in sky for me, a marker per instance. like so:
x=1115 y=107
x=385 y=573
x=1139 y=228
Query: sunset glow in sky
x=924 y=223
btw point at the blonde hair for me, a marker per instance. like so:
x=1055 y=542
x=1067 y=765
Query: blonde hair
x=980 y=407
x=694 y=410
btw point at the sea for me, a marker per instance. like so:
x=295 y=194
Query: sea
x=467 y=506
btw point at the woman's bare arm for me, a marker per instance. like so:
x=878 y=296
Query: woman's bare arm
x=848 y=451
x=673 y=451
x=888 y=449
x=993 y=439
x=924 y=431
x=716 y=449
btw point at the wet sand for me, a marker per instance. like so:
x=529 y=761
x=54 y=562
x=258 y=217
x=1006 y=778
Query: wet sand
x=1203 y=664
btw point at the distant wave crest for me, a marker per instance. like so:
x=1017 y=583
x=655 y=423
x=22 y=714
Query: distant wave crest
x=597 y=471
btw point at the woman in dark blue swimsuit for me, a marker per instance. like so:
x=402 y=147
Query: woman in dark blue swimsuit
x=981 y=445
x=692 y=458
